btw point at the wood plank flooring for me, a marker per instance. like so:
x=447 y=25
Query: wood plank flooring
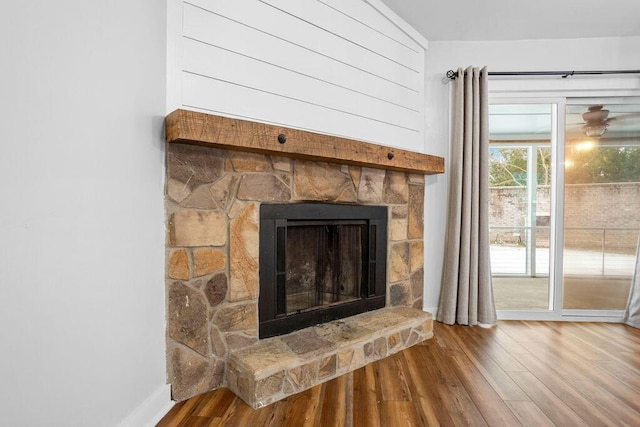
x=516 y=373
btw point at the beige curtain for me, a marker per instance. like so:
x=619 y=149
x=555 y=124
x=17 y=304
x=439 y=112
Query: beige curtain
x=632 y=313
x=466 y=296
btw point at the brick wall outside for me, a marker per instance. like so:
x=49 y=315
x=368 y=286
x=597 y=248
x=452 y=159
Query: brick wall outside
x=605 y=207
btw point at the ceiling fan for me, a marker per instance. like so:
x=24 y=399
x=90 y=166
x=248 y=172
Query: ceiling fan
x=595 y=121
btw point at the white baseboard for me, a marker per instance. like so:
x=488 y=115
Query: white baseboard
x=432 y=310
x=151 y=410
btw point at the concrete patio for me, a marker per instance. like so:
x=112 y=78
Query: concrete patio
x=592 y=279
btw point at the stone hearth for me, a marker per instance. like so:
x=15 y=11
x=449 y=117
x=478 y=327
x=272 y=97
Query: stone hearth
x=277 y=367
x=212 y=204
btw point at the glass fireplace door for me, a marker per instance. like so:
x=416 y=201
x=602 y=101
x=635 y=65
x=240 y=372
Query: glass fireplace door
x=319 y=262
x=324 y=264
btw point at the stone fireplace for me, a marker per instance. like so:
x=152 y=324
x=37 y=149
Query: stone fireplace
x=213 y=201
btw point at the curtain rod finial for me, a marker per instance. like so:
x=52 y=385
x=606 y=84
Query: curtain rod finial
x=452 y=74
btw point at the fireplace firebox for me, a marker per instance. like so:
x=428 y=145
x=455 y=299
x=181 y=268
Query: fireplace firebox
x=319 y=262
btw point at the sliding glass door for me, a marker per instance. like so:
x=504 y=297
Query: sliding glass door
x=520 y=204
x=564 y=206
x=601 y=204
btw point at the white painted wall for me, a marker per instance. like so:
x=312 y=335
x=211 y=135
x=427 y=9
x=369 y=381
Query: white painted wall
x=327 y=66
x=81 y=178
x=82 y=90
x=567 y=54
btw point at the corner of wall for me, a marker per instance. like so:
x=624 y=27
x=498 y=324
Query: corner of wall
x=151 y=410
x=399 y=22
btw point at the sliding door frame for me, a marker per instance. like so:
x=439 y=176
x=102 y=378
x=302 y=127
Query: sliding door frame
x=554 y=312
x=595 y=315
x=558 y=91
x=556 y=274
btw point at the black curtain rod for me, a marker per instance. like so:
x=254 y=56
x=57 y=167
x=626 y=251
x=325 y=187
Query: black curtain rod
x=453 y=74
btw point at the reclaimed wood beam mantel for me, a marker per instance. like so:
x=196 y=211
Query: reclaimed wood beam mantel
x=191 y=127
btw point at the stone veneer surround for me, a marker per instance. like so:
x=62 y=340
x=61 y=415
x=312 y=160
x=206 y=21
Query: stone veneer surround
x=212 y=204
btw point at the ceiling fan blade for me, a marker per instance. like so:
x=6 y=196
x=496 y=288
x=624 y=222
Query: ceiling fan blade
x=627 y=116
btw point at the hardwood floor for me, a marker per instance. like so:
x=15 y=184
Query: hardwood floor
x=517 y=373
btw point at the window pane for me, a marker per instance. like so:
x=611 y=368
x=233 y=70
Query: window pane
x=602 y=202
x=519 y=204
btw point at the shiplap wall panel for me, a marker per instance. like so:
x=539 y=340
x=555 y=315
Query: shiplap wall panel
x=219 y=97
x=271 y=21
x=257 y=75
x=221 y=32
x=360 y=11
x=337 y=24
x=306 y=64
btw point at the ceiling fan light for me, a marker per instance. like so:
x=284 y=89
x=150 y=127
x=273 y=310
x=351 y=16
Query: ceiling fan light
x=586 y=145
x=595 y=130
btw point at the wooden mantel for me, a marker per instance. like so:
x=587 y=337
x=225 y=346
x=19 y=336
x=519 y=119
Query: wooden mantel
x=190 y=127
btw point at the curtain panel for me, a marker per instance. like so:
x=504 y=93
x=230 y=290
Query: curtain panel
x=632 y=313
x=466 y=296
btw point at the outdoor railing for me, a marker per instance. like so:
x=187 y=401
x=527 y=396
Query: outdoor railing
x=607 y=250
